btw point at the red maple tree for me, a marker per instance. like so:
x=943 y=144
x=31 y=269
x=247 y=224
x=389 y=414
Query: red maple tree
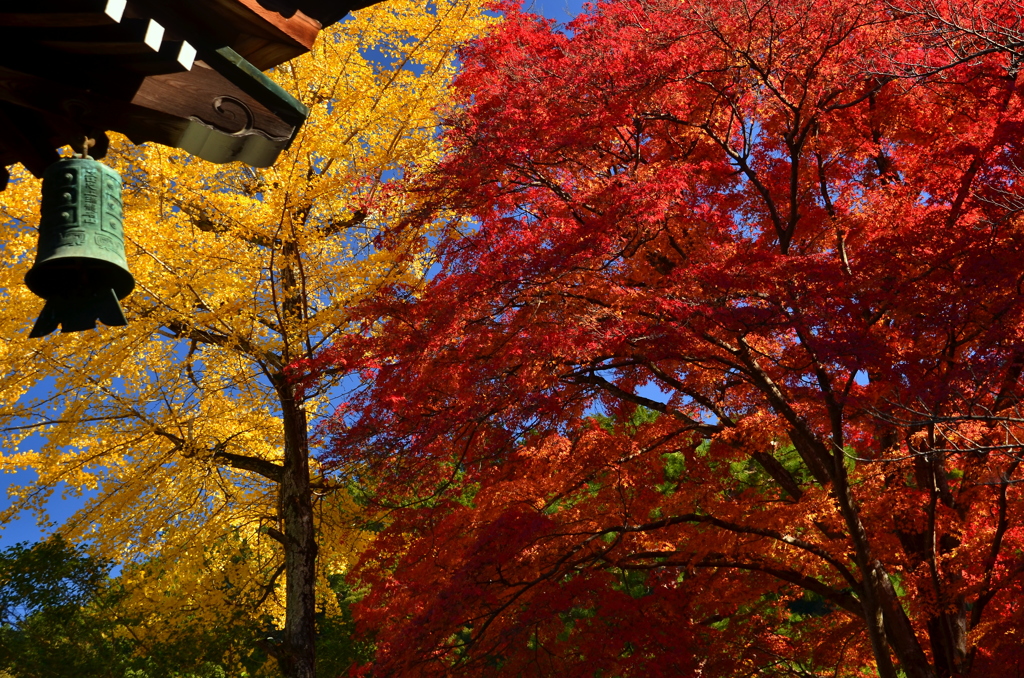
x=801 y=221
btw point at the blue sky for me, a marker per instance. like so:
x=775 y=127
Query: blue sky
x=559 y=10
x=26 y=528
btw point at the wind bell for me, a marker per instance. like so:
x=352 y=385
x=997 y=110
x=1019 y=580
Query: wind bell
x=80 y=268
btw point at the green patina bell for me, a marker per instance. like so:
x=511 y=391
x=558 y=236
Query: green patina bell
x=80 y=268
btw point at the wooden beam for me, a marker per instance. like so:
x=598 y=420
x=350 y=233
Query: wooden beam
x=25 y=139
x=297 y=27
x=196 y=95
x=256 y=84
x=66 y=14
x=328 y=12
x=130 y=37
x=175 y=56
x=261 y=36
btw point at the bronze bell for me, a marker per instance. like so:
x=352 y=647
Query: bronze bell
x=80 y=268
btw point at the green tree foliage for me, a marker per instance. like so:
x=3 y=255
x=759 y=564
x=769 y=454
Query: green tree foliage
x=64 y=616
x=45 y=631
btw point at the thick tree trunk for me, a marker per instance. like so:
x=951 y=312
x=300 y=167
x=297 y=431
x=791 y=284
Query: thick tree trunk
x=300 y=547
x=296 y=500
x=888 y=625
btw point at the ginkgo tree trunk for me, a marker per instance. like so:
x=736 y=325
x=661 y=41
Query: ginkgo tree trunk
x=186 y=430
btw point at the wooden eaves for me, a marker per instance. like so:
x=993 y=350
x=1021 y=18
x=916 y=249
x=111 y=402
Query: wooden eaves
x=182 y=73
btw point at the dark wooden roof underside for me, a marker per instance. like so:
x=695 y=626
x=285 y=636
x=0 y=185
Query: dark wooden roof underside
x=186 y=74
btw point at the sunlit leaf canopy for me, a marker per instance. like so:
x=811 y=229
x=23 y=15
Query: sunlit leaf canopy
x=239 y=272
x=799 y=218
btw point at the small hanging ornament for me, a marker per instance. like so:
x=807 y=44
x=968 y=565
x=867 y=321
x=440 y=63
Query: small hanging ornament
x=80 y=268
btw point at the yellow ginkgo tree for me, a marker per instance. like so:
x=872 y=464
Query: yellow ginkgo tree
x=184 y=429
